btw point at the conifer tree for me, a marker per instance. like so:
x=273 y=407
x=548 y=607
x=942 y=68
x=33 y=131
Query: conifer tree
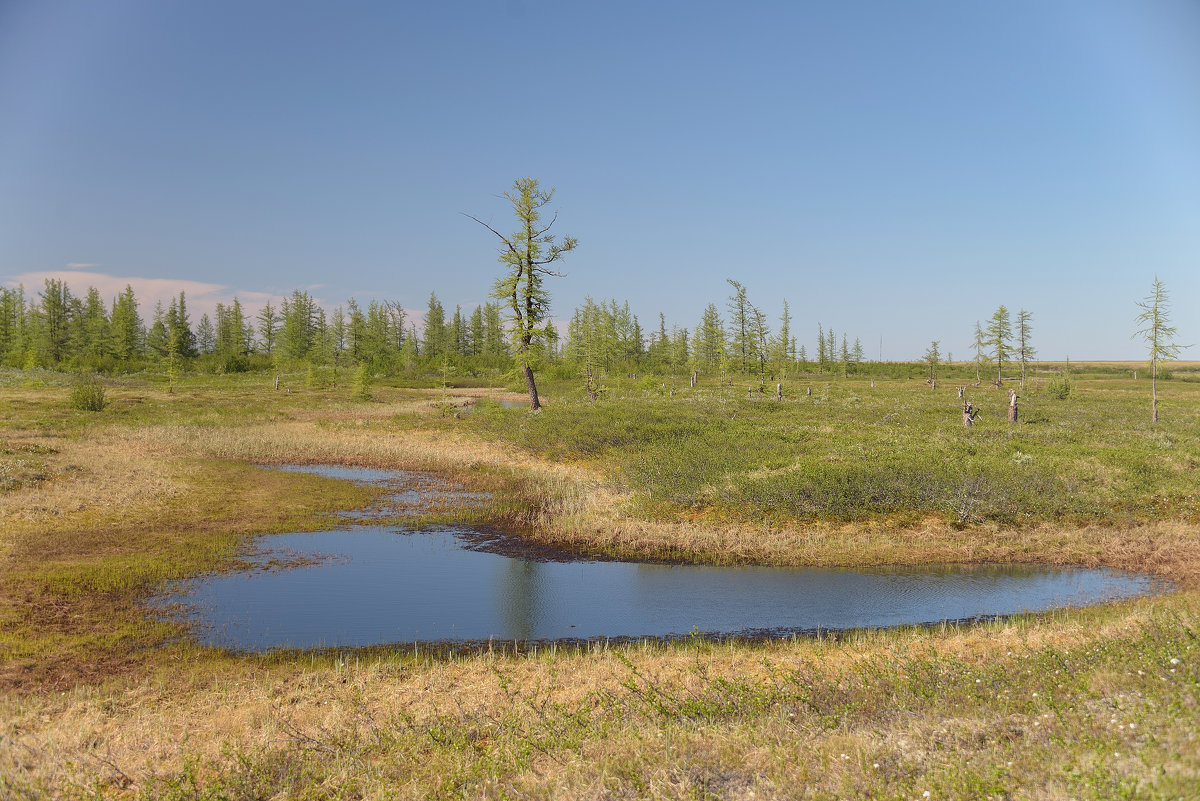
x=475 y=329
x=933 y=357
x=999 y=336
x=205 y=333
x=822 y=352
x=1158 y=334
x=979 y=344
x=433 y=343
x=741 y=338
x=12 y=310
x=1025 y=349
x=335 y=338
x=52 y=318
x=527 y=256
x=127 y=336
x=268 y=326
x=495 y=343
x=760 y=336
x=710 y=339
x=783 y=354
x=156 y=336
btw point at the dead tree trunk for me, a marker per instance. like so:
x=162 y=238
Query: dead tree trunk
x=808 y=391
x=1012 y=406
x=969 y=413
x=695 y=378
x=961 y=390
x=779 y=392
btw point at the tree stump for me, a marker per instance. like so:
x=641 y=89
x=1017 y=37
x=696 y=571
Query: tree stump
x=961 y=390
x=779 y=392
x=695 y=378
x=750 y=393
x=808 y=392
x=969 y=413
x=1012 y=406
x=276 y=383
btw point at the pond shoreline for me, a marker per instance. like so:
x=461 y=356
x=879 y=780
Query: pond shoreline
x=379 y=578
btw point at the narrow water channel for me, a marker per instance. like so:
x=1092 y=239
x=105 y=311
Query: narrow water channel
x=368 y=584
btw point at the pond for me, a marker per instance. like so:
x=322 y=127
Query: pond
x=371 y=584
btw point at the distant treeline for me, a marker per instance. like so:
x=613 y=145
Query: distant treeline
x=57 y=329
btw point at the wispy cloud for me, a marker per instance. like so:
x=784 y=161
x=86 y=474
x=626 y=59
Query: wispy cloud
x=80 y=265
x=202 y=297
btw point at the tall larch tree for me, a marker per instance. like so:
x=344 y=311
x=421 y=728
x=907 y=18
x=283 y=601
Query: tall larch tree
x=1025 y=349
x=741 y=341
x=528 y=255
x=979 y=345
x=999 y=337
x=126 y=335
x=433 y=342
x=1158 y=334
x=268 y=326
x=710 y=339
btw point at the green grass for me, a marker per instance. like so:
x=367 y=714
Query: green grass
x=1037 y=706
x=897 y=450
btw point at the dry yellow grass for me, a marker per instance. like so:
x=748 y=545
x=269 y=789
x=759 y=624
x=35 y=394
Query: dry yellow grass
x=373 y=722
x=207 y=711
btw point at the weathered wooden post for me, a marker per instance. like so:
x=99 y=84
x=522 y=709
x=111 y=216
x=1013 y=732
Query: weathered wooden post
x=779 y=392
x=1012 y=406
x=969 y=414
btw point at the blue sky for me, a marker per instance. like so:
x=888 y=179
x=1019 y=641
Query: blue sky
x=892 y=169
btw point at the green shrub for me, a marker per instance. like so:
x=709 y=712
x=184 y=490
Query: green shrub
x=1059 y=387
x=362 y=383
x=88 y=395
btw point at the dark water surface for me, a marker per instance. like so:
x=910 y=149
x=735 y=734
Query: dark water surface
x=366 y=585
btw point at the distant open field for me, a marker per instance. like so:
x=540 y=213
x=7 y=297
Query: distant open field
x=98 y=509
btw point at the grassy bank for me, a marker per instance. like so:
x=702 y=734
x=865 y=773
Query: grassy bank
x=98 y=509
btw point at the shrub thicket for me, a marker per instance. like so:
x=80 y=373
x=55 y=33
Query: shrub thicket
x=88 y=395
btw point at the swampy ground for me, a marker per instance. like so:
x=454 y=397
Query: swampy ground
x=99 y=509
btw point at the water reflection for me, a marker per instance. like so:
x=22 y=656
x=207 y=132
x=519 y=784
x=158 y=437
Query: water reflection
x=379 y=585
x=367 y=585
x=521 y=598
